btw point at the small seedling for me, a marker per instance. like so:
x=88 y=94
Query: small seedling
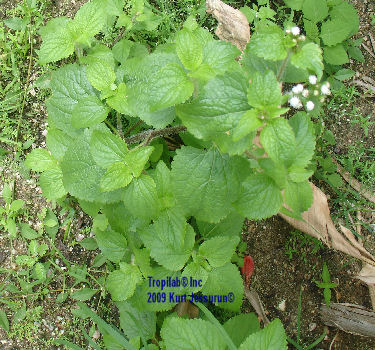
x=326 y=284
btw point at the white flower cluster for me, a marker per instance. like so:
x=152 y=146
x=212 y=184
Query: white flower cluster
x=296 y=31
x=299 y=93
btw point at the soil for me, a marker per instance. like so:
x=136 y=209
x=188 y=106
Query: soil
x=278 y=278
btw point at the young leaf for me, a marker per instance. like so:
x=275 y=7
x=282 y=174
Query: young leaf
x=170 y=240
x=119 y=100
x=264 y=91
x=89 y=111
x=310 y=58
x=122 y=283
x=195 y=334
x=334 y=32
x=7 y=193
x=112 y=244
x=261 y=198
x=4 y=323
x=27 y=232
x=189 y=49
x=100 y=74
x=298 y=196
x=40 y=272
x=241 y=326
x=196 y=271
x=272 y=337
x=222 y=281
x=118 y=175
x=51 y=183
x=57 y=142
x=122 y=49
x=315 y=10
x=336 y=55
x=17 y=205
x=219 y=250
x=249 y=122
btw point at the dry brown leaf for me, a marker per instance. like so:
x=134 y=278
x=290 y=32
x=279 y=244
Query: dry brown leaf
x=187 y=308
x=233 y=25
x=257 y=304
x=318 y=223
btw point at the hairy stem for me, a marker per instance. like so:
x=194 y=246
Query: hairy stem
x=283 y=67
x=152 y=134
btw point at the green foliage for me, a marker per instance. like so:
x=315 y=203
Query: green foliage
x=326 y=284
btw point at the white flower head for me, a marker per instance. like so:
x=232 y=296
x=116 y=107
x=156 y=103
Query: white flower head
x=297 y=89
x=287 y=31
x=295 y=31
x=295 y=102
x=316 y=92
x=302 y=38
x=325 y=89
x=310 y=105
x=305 y=93
x=313 y=79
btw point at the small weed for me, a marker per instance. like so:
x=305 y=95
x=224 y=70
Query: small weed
x=302 y=244
x=326 y=284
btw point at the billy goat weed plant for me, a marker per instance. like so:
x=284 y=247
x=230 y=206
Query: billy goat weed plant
x=169 y=151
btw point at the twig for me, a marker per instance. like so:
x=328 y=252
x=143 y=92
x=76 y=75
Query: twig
x=133 y=127
x=368 y=50
x=333 y=340
x=119 y=125
x=151 y=134
x=365 y=85
x=372 y=41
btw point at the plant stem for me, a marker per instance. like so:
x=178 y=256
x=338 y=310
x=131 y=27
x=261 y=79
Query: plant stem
x=283 y=67
x=138 y=123
x=151 y=134
x=119 y=124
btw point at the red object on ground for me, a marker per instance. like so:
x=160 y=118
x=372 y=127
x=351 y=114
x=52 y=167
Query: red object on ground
x=247 y=269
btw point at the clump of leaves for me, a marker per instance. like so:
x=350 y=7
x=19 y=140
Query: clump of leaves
x=326 y=284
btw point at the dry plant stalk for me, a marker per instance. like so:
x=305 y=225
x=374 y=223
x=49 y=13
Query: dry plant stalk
x=233 y=25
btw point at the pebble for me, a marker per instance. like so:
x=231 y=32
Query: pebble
x=312 y=326
x=282 y=305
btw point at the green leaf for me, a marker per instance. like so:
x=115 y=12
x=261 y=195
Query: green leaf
x=119 y=100
x=7 y=193
x=140 y=197
x=310 y=58
x=325 y=273
x=327 y=296
x=122 y=49
x=203 y=183
x=356 y=53
x=221 y=103
x=189 y=49
x=315 y=10
x=135 y=322
x=89 y=243
x=81 y=175
x=266 y=37
x=222 y=281
x=84 y=294
x=27 y=232
x=195 y=334
x=230 y=226
x=261 y=198
x=57 y=142
x=171 y=87
x=298 y=196
x=219 y=250
x=344 y=74
x=170 y=240
x=264 y=91
x=89 y=111
x=69 y=85
x=107 y=148
x=122 y=283
x=303 y=130
x=4 y=323
x=334 y=32
x=51 y=183
x=312 y=30
x=336 y=55
x=118 y=175
x=272 y=337
x=241 y=326
x=294 y=4
x=100 y=74
x=298 y=174
x=57 y=41
x=40 y=160
x=279 y=141
x=113 y=245
x=347 y=13
x=17 y=205
x=196 y=271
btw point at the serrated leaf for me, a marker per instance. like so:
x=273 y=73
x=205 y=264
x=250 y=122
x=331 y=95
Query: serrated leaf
x=303 y=130
x=140 y=197
x=6 y=193
x=107 y=148
x=57 y=41
x=315 y=10
x=57 y=142
x=112 y=244
x=27 y=232
x=16 y=205
x=344 y=74
x=40 y=272
x=294 y=4
x=196 y=271
x=189 y=49
x=84 y=294
x=100 y=74
x=122 y=283
x=336 y=55
x=222 y=281
x=170 y=240
x=241 y=326
x=334 y=32
x=203 y=183
x=4 y=323
x=218 y=250
x=356 y=53
x=51 y=183
x=310 y=58
x=279 y=141
x=119 y=100
x=89 y=111
x=312 y=30
x=40 y=160
x=118 y=175
x=298 y=196
x=298 y=174
x=221 y=103
x=264 y=91
x=69 y=84
x=195 y=334
x=266 y=37
x=261 y=198
x=122 y=49
x=272 y=337
x=135 y=322
x=347 y=13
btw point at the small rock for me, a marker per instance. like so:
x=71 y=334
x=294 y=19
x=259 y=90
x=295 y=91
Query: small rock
x=282 y=305
x=312 y=326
